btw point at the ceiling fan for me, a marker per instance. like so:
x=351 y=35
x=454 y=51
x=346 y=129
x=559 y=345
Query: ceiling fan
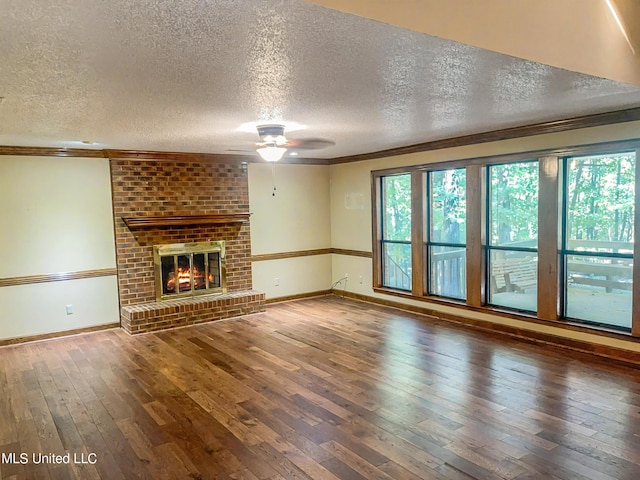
x=273 y=144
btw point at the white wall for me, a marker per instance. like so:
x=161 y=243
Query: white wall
x=297 y=218
x=294 y=275
x=29 y=310
x=56 y=217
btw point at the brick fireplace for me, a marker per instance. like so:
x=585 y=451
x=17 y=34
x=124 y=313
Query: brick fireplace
x=176 y=201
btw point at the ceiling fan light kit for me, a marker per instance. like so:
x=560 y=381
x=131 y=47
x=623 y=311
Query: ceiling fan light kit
x=273 y=146
x=271 y=152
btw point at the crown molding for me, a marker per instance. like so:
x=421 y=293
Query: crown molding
x=204 y=157
x=150 y=155
x=50 y=152
x=575 y=123
x=176 y=156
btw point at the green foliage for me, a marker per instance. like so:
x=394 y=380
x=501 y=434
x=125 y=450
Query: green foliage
x=514 y=203
x=396 y=218
x=600 y=198
x=448 y=205
x=397 y=207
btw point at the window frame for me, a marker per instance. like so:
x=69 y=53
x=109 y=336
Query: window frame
x=489 y=247
x=383 y=241
x=550 y=270
x=565 y=252
x=428 y=243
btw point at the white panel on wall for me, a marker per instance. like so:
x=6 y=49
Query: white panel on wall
x=56 y=215
x=39 y=308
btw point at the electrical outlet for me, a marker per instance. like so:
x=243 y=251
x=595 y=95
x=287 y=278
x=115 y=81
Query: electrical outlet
x=361 y=280
x=69 y=309
x=276 y=282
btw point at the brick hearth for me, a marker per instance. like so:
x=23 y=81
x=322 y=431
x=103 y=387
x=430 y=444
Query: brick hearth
x=149 y=188
x=147 y=317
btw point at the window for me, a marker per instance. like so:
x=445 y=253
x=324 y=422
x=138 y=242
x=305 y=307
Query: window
x=597 y=249
x=551 y=237
x=446 y=235
x=512 y=235
x=396 y=231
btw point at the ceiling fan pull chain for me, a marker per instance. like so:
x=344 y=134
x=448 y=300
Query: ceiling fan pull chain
x=273 y=177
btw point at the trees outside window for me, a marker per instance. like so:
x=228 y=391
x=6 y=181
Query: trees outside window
x=597 y=251
x=512 y=233
x=549 y=236
x=396 y=231
x=446 y=236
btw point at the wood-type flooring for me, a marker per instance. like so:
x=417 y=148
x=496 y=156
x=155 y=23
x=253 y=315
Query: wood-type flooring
x=322 y=388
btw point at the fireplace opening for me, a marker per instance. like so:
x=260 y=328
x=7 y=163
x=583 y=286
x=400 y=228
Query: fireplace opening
x=185 y=269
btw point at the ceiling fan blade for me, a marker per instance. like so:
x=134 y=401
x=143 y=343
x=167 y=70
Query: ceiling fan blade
x=310 y=143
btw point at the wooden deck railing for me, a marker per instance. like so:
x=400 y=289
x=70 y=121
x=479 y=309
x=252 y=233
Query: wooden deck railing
x=394 y=275
x=600 y=247
x=609 y=276
x=448 y=272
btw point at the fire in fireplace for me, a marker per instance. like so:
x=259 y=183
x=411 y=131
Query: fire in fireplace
x=186 y=269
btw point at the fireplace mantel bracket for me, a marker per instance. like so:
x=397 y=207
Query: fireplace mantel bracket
x=185 y=220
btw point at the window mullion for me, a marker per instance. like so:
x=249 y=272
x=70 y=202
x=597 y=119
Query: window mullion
x=548 y=204
x=377 y=206
x=417 y=229
x=475 y=236
x=635 y=306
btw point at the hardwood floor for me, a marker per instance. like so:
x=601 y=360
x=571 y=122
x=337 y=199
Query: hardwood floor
x=322 y=388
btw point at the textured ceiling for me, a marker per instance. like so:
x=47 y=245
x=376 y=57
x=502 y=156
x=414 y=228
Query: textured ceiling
x=196 y=76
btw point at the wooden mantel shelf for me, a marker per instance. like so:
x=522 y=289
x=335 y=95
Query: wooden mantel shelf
x=183 y=220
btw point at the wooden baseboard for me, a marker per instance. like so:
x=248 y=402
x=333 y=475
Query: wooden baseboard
x=298 y=296
x=530 y=336
x=49 y=336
